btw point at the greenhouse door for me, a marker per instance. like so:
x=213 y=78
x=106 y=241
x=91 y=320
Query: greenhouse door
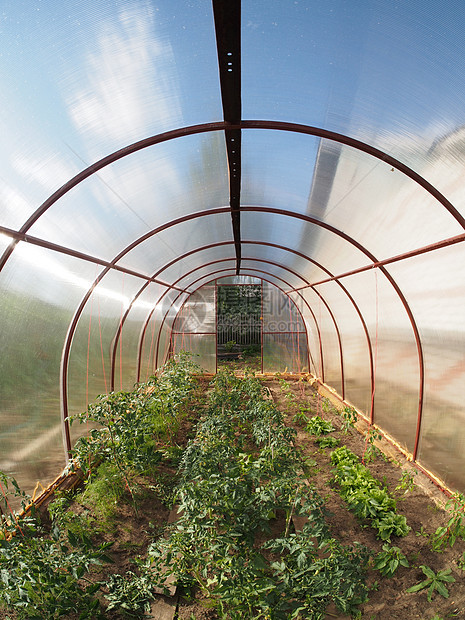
x=239 y=325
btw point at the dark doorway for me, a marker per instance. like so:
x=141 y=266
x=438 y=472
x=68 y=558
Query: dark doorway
x=239 y=325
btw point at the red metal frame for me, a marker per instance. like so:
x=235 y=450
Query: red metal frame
x=257 y=209
x=226 y=126
x=370 y=351
x=305 y=257
x=263 y=280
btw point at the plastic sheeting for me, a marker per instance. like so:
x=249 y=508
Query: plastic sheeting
x=194 y=328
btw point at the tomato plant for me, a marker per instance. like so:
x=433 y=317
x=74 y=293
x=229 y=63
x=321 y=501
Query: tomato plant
x=237 y=473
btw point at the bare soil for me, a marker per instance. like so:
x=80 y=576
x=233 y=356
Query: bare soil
x=422 y=508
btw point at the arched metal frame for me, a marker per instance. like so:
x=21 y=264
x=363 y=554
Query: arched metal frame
x=229 y=127
x=266 y=244
x=266 y=280
x=148 y=319
x=246 y=272
x=156 y=356
x=65 y=357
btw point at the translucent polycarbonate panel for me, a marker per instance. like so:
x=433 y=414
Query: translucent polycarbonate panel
x=253 y=275
x=445 y=166
x=137 y=194
x=379 y=207
x=395 y=354
x=280 y=313
x=90 y=368
x=324 y=246
x=195 y=261
x=277 y=169
x=161 y=248
x=202 y=275
x=39 y=291
x=202 y=346
x=103 y=76
x=198 y=312
x=330 y=369
x=128 y=343
x=288 y=278
x=238 y=280
x=164 y=345
x=285 y=256
x=156 y=332
x=434 y=286
x=313 y=338
x=285 y=353
x=126 y=354
x=355 y=345
x=266 y=276
x=4 y=242
x=442 y=438
x=194 y=323
x=388 y=77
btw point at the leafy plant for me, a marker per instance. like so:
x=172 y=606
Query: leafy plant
x=131 y=594
x=365 y=496
x=389 y=560
x=434 y=582
x=103 y=490
x=406 y=481
x=127 y=425
x=326 y=405
x=9 y=522
x=317 y=426
x=327 y=442
x=371 y=451
x=391 y=524
x=236 y=474
x=349 y=417
x=45 y=577
x=455 y=526
x=286 y=390
x=301 y=418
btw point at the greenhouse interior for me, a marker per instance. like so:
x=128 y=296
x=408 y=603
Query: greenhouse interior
x=166 y=160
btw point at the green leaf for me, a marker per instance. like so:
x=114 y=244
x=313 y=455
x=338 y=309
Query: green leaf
x=441 y=588
x=419 y=586
x=430 y=591
x=428 y=572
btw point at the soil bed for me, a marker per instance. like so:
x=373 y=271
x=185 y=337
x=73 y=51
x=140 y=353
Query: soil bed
x=421 y=507
x=131 y=533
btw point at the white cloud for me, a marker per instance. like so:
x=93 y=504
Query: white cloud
x=14 y=206
x=50 y=172
x=130 y=88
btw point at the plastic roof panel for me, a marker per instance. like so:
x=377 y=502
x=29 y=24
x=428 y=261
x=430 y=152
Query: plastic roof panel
x=155 y=252
x=379 y=72
x=278 y=168
x=137 y=194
